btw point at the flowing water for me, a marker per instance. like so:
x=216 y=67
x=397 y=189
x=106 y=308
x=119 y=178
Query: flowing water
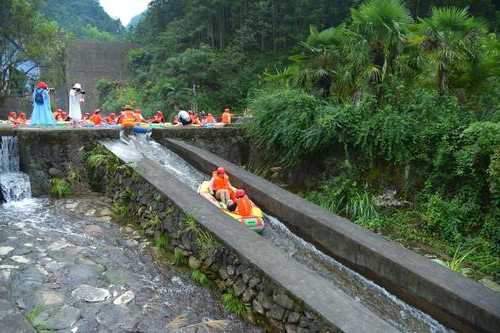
x=377 y=299
x=14 y=185
x=67 y=268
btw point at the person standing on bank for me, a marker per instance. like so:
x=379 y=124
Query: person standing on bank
x=42 y=113
x=75 y=103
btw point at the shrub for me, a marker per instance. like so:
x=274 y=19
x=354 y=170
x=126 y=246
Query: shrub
x=60 y=188
x=234 y=304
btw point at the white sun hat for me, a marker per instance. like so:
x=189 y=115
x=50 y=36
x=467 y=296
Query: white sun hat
x=77 y=86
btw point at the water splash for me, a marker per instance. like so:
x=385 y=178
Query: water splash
x=14 y=185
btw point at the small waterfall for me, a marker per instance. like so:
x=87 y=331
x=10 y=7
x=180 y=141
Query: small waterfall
x=14 y=185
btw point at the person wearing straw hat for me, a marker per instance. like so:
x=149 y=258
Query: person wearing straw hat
x=75 y=102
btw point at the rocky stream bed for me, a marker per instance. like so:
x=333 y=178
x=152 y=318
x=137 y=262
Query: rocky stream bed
x=66 y=267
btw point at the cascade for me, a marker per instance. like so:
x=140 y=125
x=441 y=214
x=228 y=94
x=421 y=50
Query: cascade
x=14 y=184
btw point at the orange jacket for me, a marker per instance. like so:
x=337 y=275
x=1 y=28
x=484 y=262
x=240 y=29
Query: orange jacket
x=243 y=206
x=220 y=182
x=226 y=118
x=12 y=117
x=96 y=119
x=127 y=119
x=210 y=119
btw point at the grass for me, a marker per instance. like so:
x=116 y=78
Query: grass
x=162 y=242
x=458 y=259
x=200 y=278
x=234 y=304
x=179 y=258
x=119 y=211
x=60 y=188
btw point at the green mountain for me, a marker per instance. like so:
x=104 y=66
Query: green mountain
x=136 y=20
x=84 y=18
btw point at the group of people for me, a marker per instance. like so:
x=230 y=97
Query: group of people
x=236 y=200
x=185 y=118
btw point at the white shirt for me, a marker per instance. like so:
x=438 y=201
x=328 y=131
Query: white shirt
x=75 y=98
x=184 y=115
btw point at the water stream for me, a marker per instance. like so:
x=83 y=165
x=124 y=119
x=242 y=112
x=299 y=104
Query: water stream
x=14 y=185
x=377 y=299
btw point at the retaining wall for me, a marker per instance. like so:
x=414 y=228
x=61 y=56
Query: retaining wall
x=456 y=301
x=47 y=153
x=277 y=289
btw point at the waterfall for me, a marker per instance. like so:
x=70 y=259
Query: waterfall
x=14 y=185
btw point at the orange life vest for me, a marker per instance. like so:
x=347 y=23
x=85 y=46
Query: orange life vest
x=226 y=118
x=96 y=119
x=243 y=206
x=210 y=119
x=220 y=183
x=128 y=119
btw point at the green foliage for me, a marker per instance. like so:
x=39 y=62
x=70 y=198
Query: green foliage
x=456 y=263
x=84 y=18
x=234 y=304
x=120 y=211
x=179 y=257
x=60 y=188
x=205 y=241
x=200 y=277
x=162 y=242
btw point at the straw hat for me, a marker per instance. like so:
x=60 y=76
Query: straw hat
x=127 y=108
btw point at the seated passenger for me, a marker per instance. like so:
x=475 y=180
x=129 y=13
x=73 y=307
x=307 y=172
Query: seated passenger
x=226 y=116
x=184 y=118
x=96 y=118
x=210 y=119
x=242 y=205
x=12 y=117
x=64 y=116
x=194 y=118
x=21 y=119
x=221 y=187
x=158 y=118
x=127 y=117
x=138 y=116
x=58 y=115
x=111 y=119
x=86 y=116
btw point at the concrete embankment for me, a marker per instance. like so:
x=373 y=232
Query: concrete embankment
x=286 y=294
x=456 y=301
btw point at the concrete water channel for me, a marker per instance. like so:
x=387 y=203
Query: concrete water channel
x=150 y=296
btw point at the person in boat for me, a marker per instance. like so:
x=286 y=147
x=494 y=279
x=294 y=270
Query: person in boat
x=138 y=116
x=210 y=119
x=65 y=116
x=21 y=119
x=158 y=118
x=184 y=118
x=86 y=116
x=111 y=119
x=42 y=114
x=194 y=118
x=96 y=118
x=242 y=204
x=226 y=116
x=221 y=187
x=58 y=115
x=12 y=117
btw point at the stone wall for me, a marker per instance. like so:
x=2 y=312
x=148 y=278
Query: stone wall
x=227 y=142
x=55 y=153
x=16 y=104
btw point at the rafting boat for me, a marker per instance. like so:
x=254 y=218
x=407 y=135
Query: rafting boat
x=142 y=128
x=254 y=222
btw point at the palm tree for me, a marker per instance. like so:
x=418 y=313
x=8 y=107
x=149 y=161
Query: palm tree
x=383 y=23
x=450 y=37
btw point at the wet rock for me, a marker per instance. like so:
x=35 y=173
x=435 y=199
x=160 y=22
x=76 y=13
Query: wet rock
x=248 y=295
x=247 y=275
x=84 y=260
x=56 y=173
x=239 y=288
x=254 y=282
x=12 y=320
x=276 y=312
x=230 y=270
x=257 y=307
x=57 y=318
x=284 y=301
x=80 y=274
x=125 y=298
x=93 y=230
x=20 y=259
x=132 y=243
x=265 y=300
x=118 y=318
x=490 y=284
x=58 y=245
x=20 y=251
x=5 y=250
x=289 y=328
x=105 y=212
x=194 y=263
x=223 y=273
x=293 y=317
x=46 y=298
x=91 y=294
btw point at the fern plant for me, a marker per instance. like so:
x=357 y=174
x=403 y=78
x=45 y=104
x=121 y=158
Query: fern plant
x=234 y=304
x=60 y=188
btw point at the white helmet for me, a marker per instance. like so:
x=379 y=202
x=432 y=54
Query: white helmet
x=77 y=86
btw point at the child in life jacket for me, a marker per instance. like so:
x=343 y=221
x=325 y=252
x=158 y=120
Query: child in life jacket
x=242 y=204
